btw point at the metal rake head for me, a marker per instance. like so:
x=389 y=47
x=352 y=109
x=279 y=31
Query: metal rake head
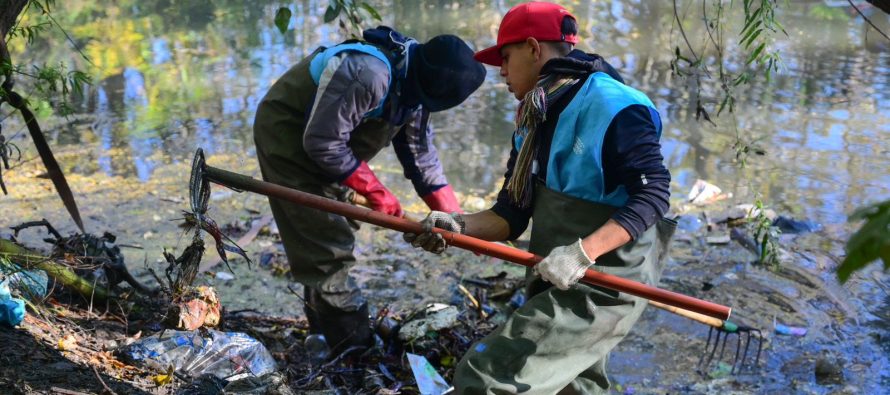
x=740 y=362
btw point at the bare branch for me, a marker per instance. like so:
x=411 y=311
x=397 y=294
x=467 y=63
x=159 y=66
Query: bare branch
x=886 y=6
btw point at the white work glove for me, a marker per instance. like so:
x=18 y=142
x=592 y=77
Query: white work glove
x=434 y=242
x=564 y=266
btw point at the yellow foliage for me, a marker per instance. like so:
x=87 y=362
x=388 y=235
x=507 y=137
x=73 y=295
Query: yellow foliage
x=164 y=379
x=67 y=343
x=110 y=53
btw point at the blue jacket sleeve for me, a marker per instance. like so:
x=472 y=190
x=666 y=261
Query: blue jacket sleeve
x=632 y=157
x=417 y=154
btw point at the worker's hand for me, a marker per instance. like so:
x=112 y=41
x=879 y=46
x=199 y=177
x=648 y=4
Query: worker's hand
x=564 y=266
x=434 y=242
x=365 y=183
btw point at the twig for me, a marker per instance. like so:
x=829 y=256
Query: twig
x=242 y=242
x=473 y=300
x=342 y=355
x=105 y=386
x=867 y=20
x=481 y=283
x=43 y=222
x=683 y=32
x=66 y=392
x=133 y=246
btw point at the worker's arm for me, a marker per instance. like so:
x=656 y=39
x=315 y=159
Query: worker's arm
x=414 y=147
x=632 y=159
x=504 y=221
x=350 y=86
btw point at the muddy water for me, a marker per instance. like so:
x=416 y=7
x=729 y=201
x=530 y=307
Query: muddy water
x=173 y=76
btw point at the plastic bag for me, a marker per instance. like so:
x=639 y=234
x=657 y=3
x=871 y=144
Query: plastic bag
x=31 y=284
x=226 y=355
x=12 y=310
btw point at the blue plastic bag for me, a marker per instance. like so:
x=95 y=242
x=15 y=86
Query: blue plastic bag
x=12 y=310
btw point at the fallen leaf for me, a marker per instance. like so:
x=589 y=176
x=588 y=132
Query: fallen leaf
x=164 y=379
x=68 y=343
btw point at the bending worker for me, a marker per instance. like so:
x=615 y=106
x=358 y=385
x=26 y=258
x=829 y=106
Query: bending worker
x=586 y=168
x=317 y=128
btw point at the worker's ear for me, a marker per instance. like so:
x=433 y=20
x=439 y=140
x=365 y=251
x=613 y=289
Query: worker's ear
x=535 y=48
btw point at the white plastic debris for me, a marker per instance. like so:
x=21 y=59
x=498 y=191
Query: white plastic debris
x=718 y=239
x=436 y=316
x=429 y=381
x=224 y=276
x=704 y=192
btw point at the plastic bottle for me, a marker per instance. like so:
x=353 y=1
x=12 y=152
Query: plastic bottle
x=317 y=348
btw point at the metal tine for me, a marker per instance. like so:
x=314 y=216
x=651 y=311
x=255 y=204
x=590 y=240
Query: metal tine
x=723 y=348
x=759 y=346
x=755 y=334
x=738 y=348
x=713 y=350
x=707 y=346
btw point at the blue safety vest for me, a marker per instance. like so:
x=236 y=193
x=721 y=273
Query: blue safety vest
x=575 y=165
x=320 y=61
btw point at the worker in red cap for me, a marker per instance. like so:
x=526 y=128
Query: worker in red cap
x=586 y=168
x=317 y=128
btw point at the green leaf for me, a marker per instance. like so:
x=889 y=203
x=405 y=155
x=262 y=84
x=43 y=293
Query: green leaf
x=748 y=32
x=751 y=38
x=371 y=10
x=723 y=104
x=332 y=12
x=756 y=53
x=870 y=242
x=282 y=19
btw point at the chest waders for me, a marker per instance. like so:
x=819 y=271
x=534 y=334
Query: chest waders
x=559 y=341
x=318 y=245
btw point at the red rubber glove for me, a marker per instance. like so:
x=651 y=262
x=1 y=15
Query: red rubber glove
x=365 y=183
x=443 y=199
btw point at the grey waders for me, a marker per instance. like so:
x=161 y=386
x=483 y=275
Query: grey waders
x=318 y=245
x=559 y=341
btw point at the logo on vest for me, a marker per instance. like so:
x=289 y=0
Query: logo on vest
x=578 y=147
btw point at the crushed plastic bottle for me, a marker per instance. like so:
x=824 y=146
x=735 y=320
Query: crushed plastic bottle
x=317 y=348
x=518 y=299
x=227 y=355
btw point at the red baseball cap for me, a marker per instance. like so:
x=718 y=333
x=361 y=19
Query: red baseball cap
x=540 y=20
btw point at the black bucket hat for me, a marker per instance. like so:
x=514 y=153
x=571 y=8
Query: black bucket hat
x=443 y=72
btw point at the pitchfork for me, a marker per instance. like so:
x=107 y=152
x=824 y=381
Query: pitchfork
x=202 y=175
x=722 y=328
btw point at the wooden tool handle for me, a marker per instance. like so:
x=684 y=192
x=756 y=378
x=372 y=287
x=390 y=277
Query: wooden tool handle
x=473 y=244
x=715 y=322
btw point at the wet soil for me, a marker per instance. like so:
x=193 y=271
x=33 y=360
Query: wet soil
x=847 y=329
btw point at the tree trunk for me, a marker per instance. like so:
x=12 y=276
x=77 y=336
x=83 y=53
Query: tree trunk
x=9 y=13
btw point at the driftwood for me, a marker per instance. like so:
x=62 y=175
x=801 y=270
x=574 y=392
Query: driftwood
x=61 y=273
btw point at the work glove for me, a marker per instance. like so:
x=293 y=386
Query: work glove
x=365 y=183
x=434 y=242
x=442 y=199
x=564 y=266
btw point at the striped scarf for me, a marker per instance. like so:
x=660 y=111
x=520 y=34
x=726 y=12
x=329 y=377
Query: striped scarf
x=531 y=114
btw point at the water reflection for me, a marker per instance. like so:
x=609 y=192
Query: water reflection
x=177 y=75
